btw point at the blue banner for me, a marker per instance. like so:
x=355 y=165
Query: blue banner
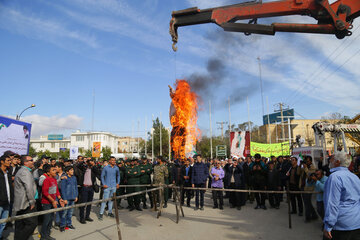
x=276 y=117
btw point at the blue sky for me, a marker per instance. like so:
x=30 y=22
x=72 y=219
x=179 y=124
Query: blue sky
x=56 y=53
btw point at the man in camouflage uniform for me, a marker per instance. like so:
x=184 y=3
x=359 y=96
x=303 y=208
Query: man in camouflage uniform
x=146 y=170
x=161 y=173
x=133 y=178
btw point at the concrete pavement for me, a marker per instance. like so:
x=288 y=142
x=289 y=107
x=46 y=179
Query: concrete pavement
x=247 y=223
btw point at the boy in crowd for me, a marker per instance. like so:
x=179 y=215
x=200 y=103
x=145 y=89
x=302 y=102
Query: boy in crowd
x=50 y=198
x=69 y=193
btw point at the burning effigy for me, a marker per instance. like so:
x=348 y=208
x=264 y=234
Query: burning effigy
x=183 y=119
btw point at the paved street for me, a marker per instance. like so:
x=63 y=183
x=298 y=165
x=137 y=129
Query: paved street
x=210 y=223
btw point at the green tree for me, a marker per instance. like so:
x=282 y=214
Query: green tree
x=106 y=153
x=65 y=154
x=39 y=154
x=88 y=153
x=32 y=151
x=156 y=135
x=203 y=145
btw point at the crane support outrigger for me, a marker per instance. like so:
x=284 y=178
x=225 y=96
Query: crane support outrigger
x=335 y=18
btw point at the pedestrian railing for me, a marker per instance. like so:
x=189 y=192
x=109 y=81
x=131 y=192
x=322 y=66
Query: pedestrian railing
x=153 y=188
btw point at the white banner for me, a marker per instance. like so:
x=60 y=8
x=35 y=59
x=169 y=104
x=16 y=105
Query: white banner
x=14 y=136
x=238 y=142
x=74 y=153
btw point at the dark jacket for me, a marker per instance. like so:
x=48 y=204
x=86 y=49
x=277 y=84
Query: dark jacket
x=239 y=176
x=297 y=174
x=176 y=174
x=200 y=173
x=273 y=179
x=183 y=173
x=227 y=172
x=79 y=171
x=3 y=192
x=283 y=168
x=259 y=176
x=246 y=169
x=14 y=170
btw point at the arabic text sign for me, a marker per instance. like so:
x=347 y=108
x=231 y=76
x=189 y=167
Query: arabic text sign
x=14 y=136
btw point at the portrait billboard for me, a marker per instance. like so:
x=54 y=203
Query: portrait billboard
x=14 y=136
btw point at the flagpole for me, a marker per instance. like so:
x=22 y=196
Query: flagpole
x=248 y=107
x=211 y=146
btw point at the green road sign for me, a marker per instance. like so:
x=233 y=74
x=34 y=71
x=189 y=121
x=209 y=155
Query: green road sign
x=221 y=150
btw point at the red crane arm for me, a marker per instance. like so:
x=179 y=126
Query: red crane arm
x=335 y=18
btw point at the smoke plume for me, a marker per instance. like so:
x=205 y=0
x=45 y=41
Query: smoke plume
x=219 y=82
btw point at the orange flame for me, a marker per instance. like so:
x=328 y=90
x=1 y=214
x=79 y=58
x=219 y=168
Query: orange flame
x=185 y=132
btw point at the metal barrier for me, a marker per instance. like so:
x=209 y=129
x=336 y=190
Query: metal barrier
x=157 y=187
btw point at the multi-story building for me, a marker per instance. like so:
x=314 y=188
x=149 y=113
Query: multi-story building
x=303 y=127
x=84 y=141
x=128 y=144
x=53 y=143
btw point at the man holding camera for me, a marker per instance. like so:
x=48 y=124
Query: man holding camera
x=86 y=175
x=259 y=176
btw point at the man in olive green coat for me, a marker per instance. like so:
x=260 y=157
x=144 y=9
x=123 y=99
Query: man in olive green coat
x=146 y=170
x=133 y=178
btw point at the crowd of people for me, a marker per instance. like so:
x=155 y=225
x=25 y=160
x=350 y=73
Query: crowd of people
x=27 y=186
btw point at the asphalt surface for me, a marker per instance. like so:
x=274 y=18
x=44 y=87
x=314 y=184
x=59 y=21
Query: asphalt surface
x=246 y=223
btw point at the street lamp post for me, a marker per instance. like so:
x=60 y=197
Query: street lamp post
x=18 y=116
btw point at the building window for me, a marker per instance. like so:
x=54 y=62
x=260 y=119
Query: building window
x=63 y=145
x=79 y=138
x=52 y=145
x=42 y=145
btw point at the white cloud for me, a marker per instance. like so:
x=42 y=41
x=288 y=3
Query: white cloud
x=208 y=3
x=44 y=29
x=43 y=125
x=121 y=27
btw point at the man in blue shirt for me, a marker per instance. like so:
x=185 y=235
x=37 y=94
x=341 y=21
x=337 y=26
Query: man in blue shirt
x=319 y=178
x=342 y=200
x=110 y=178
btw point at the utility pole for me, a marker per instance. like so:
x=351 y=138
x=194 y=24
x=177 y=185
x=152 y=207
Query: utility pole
x=222 y=128
x=152 y=139
x=160 y=135
x=138 y=137
x=229 y=121
x=211 y=146
x=261 y=86
x=248 y=108
x=281 y=110
x=145 y=136
x=268 y=118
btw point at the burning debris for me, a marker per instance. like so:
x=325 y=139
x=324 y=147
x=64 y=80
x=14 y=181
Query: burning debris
x=183 y=119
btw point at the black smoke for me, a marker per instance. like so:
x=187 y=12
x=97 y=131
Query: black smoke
x=220 y=81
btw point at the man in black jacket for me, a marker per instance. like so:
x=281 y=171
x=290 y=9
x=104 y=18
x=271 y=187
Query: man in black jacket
x=259 y=176
x=6 y=190
x=236 y=180
x=273 y=184
x=186 y=171
x=86 y=173
x=283 y=165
